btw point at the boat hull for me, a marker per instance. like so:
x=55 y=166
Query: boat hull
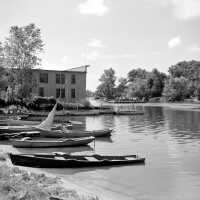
x=68 y=161
x=52 y=143
x=76 y=133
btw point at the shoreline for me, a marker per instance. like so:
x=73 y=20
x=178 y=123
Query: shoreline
x=32 y=183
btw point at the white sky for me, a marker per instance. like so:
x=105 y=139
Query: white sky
x=122 y=34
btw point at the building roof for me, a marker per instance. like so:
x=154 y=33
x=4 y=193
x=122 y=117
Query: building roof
x=75 y=69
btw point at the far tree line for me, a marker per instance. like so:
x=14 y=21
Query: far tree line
x=182 y=82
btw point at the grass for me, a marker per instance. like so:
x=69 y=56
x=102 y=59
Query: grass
x=17 y=184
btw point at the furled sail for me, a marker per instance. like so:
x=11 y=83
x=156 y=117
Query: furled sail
x=47 y=124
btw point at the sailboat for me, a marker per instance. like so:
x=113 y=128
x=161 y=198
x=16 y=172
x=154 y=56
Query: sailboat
x=46 y=125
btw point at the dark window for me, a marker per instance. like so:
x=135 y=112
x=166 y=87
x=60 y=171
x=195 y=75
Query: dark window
x=73 y=79
x=41 y=91
x=57 y=92
x=43 y=77
x=60 y=78
x=63 y=93
x=73 y=93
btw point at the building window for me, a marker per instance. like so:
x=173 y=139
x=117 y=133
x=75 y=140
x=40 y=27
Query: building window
x=60 y=78
x=73 y=79
x=41 y=91
x=73 y=93
x=57 y=92
x=63 y=93
x=43 y=77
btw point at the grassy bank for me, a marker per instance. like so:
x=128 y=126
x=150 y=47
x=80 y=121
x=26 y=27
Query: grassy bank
x=18 y=184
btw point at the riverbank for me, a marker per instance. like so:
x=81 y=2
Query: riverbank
x=22 y=184
x=175 y=106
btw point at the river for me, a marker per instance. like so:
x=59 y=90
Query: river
x=168 y=138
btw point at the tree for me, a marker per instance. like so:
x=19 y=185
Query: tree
x=155 y=83
x=120 y=90
x=176 y=89
x=21 y=50
x=135 y=74
x=3 y=77
x=138 y=89
x=190 y=70
x=107 y=86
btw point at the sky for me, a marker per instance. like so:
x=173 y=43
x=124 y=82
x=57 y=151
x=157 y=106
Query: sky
x=122 y=34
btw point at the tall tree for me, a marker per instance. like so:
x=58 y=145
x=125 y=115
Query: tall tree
x=121 y=88
x=176 y=89
x=3 y=78
x=155 y=83
x=107 y=85
x=21 y=50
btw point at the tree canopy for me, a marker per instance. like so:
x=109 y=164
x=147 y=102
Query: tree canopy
x=21 y=50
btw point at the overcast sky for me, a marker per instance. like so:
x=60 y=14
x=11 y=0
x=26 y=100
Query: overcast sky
x=122 y=34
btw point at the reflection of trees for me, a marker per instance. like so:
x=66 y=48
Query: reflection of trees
x=183 y=124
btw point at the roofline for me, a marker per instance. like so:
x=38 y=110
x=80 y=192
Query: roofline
x=73 y=70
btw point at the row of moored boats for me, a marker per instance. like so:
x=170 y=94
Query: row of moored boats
x=32 y=134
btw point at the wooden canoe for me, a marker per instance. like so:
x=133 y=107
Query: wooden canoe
x=129 y=113
x=70 y=142
x=18 y=122
x=76 y=133
x=62 y=160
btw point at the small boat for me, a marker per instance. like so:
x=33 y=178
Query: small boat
x=7 y=136
x=27 y=142
x=62 y=160
x=18 y=122
x=76 y=133
x=121 y=112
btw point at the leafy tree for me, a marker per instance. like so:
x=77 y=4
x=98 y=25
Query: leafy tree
x=121 y=88
x=3 y=77
x=190 y=70
x=135 y=74
x=138 y=89
x=155 y=83
x=107 y=85
x=176 y=89
x=21 y=50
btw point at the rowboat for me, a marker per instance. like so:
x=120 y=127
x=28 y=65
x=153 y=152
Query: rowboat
x=29 y=143
x=121 y=112
x=76 y=133
x=18 y=122
x=6 y=136
x=62 y=160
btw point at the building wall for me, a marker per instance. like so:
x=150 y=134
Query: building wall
x=50 y=87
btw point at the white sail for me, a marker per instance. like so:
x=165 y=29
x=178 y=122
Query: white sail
x=48 y=122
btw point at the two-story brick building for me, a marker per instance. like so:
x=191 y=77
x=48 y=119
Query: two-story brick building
x=67 y=85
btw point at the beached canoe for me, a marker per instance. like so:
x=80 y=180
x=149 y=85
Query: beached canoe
x=76 y=133
x=18 y=122
x=70 y=142
x=7 y=136
x=121 y=112
x=17 y=129
x=62 y=160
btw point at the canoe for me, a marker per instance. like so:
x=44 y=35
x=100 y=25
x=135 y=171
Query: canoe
x=17 y=122
x=17 y=129
x=129 y=113
x=28 y=143
x=76 y=133
x=62 y=160
x=6 y=136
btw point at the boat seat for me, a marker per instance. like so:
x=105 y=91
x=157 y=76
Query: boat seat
x=59 y=158
x=129 y=158
x=91 y=158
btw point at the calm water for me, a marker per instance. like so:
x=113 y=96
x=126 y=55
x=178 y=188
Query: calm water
x=170 y=141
